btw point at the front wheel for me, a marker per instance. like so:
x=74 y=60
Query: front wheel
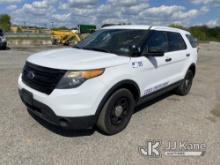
x=116 y=112
x=186 y=84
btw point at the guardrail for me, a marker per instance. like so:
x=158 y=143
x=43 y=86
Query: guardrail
x=27 y=35
x=28 y=39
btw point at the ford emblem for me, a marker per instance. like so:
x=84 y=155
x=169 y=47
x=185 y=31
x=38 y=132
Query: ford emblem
x=31 y=75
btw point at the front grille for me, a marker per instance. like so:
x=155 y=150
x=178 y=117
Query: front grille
x=42 y=79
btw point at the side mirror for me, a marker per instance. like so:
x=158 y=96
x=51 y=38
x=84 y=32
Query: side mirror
x=135 y=50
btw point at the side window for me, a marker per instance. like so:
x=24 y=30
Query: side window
x=157 y=42
x=192 y=41
x=176 y=42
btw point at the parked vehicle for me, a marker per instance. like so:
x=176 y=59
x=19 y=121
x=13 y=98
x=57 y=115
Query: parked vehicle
x=102 y=79
x=65 y=37
x=86 y=28
x=3 y=41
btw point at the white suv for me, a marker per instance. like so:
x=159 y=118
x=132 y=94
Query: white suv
x=101 y=80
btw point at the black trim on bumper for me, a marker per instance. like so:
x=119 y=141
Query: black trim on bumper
x=46 y=113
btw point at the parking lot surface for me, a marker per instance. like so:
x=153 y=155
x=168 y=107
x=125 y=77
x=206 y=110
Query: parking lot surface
x=194 y=118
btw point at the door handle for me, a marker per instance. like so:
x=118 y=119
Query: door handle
x=187 y=55
x=168 y=59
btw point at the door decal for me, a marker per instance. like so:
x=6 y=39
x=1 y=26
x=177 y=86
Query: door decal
x=156 y=88
x=137 y=64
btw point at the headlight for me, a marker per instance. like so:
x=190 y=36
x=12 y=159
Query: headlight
x=73 y=79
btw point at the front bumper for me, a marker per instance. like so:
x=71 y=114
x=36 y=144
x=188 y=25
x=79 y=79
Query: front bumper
x=77 y=106
x=46 y=113
x=78 y=102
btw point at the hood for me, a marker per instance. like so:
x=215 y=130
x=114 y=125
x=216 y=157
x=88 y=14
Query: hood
x=76 y=59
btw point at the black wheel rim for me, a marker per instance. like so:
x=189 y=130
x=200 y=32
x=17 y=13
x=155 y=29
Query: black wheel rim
x=119 y=111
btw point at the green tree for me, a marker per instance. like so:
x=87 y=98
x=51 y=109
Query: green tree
x=200 y=32
x=178 y=26
x=60 y=28
x=5 y=22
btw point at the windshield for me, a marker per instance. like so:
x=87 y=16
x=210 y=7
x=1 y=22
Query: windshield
x=117 y=41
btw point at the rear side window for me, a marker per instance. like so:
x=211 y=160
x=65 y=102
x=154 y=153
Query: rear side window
x=175 y=41
x=192 y=40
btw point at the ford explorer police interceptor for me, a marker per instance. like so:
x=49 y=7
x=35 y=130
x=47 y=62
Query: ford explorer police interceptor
x=101 y=80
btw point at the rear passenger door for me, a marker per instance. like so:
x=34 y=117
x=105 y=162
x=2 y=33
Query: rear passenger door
x=176 y=56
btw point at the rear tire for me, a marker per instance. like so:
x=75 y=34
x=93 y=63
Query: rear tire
x=186 y=84
x=116 y=112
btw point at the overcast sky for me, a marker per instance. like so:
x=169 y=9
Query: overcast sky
x=151 y=12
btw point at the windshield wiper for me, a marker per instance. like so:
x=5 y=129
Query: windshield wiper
x=99 y=49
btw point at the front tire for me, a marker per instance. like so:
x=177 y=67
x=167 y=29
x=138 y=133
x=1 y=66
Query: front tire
x=116 y=112
x=186 y=84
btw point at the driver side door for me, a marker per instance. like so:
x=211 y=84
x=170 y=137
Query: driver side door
x=154 y=72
